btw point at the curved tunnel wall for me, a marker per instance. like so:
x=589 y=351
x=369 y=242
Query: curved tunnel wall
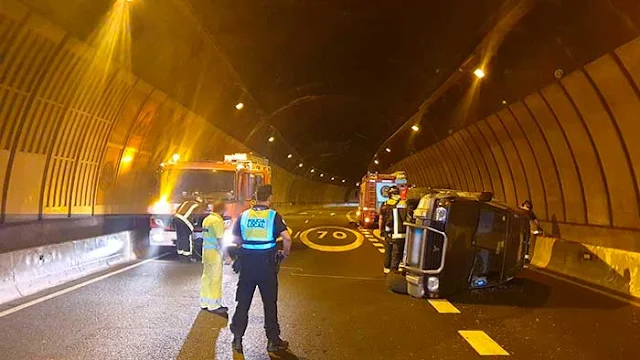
x=573 y=148
x=76 y=142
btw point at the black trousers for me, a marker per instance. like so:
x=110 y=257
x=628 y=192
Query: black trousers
x=259 y=269
x=397 y=253
x=183 y=234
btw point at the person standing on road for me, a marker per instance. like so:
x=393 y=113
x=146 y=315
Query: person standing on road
x=256 y=231
x=393 y=214
x=183 y=221
x=212 y=257
x=527 y=206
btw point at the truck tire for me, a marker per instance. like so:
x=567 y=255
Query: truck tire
x=397 y=283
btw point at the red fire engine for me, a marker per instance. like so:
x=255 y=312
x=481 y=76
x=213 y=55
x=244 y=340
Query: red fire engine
x=233 y=180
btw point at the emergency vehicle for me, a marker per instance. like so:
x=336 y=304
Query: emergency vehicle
x=374 y=189
x=233 y=180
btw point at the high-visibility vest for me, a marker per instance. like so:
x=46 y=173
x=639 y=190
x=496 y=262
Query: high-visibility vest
x=396 y=214
x=184 y=212
x=256 y=227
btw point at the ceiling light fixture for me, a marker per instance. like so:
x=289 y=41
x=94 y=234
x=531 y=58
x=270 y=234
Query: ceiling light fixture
x=376 y=161
x=479 y=73
x=272 y=139
x=387 y=150
x=239 y=106
x=300 y=165
x=415 y=128
x=289 y=156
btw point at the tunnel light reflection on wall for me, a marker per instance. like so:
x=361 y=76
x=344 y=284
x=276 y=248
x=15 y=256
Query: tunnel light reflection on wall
x=239 y=106
x=479 y=73
x=415 y=128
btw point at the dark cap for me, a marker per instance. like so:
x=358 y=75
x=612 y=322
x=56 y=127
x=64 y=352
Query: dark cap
x=263 y=192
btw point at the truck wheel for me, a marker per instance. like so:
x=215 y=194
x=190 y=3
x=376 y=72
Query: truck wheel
x=397 y=283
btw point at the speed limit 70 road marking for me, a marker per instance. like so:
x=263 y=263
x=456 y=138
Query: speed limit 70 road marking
x=337 y=232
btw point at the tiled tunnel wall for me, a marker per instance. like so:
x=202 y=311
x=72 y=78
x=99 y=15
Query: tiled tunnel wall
x=78 y=138
x=573 y=148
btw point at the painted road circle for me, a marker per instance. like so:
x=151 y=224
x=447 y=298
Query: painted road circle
x=359 y=239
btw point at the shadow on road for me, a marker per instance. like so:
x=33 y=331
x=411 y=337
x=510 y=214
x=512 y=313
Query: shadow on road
x=529 y=292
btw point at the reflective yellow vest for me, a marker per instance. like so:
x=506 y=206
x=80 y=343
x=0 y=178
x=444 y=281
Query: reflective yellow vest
x=256 y=227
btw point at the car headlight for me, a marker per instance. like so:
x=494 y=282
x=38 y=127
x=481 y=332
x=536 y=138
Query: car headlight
x=440 y=214
x=161 y=206
x=433 y=284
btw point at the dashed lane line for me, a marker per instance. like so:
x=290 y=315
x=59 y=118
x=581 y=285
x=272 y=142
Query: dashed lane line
x=372 y=240
x=381 y=250
x=482 y=343
x=377 y=244
x=443 y=306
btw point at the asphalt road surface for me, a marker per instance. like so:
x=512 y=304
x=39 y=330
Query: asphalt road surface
x=333 y=304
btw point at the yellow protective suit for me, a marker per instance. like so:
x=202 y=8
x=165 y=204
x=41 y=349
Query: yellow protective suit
x=211 y=286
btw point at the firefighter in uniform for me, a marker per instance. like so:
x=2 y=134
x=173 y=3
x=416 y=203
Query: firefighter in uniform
x=186 y=216
x=393 y=214
x=256 y=231
x=212 y=257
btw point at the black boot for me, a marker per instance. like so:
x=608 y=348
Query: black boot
x=277 y=345
x=236 y=345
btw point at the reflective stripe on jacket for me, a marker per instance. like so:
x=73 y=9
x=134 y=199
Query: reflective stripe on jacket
x=257 y=229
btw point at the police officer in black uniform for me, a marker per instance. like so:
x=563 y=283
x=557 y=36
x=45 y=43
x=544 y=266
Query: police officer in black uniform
x=256 y=231
x=393 y=214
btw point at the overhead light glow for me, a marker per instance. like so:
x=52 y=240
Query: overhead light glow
x=415 y=128
x=376 y=161
x=344 y=181
x=357 y=184
x=321 y=175
x=289 y=156
x=387 y=150
x=239 y=106
x=479 y=73
x=175 y=158
x=313 y=170
x=300 y=165
x=272 y=139
x=333 y=178
x=504 y=102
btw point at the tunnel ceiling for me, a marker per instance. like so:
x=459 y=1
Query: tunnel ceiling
x=337 y=78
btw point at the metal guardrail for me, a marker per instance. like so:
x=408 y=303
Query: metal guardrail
x=420 y=269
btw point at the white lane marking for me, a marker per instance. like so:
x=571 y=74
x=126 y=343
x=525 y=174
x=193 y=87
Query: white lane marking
x=291 y=268
x=373 y=240
x=381 y=250
x=296 y=235
x=443 y=306
x=377 y=244
x=482 y=343
x=587 y=287
x=77 y=286
x=336 y=277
